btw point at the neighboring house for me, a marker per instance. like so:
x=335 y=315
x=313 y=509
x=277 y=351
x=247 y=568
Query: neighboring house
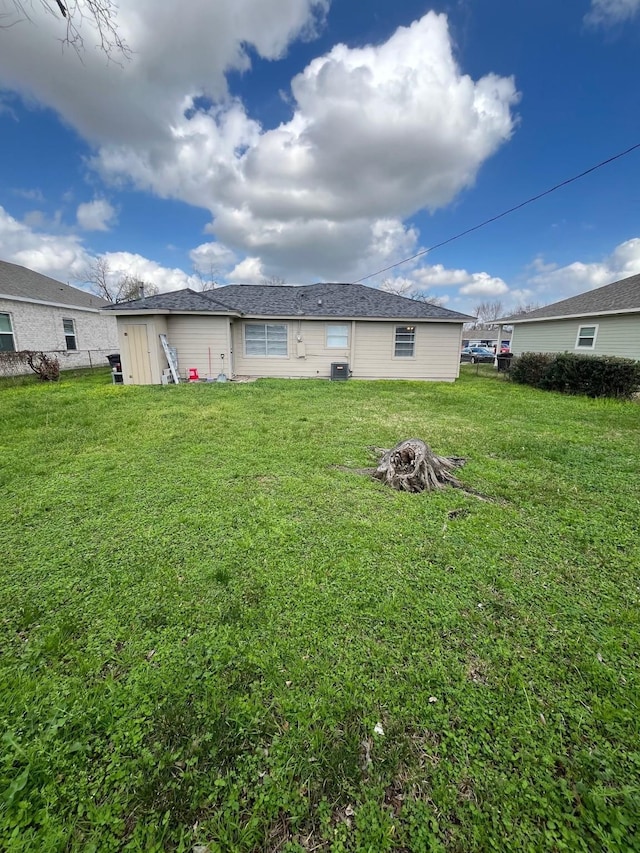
x=604 y=321
x=286 y=331
x=40 y=313
x=486 y=336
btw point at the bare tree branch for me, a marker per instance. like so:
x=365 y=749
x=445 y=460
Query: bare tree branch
x=113 y=287
x=404 y=287
x=80 y=15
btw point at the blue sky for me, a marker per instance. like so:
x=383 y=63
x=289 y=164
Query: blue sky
x=326 y=139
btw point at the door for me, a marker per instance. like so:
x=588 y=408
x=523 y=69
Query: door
x=139 y=356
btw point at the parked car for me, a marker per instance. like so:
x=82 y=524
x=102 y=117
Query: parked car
x=477 y=355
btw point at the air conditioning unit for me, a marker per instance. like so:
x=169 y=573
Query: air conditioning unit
x=339 y=370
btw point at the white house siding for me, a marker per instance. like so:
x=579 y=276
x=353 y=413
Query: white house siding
x=39 y=327
x=370 y=353
x=437 y=352
x=618 y=335
x=193 y=335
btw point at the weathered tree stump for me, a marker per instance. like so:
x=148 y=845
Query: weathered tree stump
x=411 y=466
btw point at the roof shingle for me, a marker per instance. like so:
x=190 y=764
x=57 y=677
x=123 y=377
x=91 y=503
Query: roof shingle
x=623 y=295
x=313 y=300
x=26 y=284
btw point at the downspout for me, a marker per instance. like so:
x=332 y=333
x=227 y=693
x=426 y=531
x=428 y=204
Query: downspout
x=230 y=348
x=352 y=347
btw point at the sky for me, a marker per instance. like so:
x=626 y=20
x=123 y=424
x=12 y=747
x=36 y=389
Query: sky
x=248 y=141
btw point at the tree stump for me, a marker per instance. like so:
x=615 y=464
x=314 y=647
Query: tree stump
x=411 y=466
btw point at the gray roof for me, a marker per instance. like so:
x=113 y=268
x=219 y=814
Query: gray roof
x=178 y=300
x=312 y=300
x=620 y=296
x=27 y=284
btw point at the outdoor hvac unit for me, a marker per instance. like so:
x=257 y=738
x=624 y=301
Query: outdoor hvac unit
x=339 y=371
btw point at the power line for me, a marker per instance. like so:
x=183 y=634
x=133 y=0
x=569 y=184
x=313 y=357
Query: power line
x=504 y=213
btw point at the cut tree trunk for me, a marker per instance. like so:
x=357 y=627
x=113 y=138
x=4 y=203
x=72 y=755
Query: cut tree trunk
x=411 y=466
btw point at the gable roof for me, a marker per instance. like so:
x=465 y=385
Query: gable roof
x=312 y=300
x=620 y=297
x=26 y=285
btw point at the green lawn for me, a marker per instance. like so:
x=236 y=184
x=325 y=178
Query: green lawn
x=204 y=621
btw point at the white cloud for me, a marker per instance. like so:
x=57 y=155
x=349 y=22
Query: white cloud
x=376 y=133
x=432 y=278
x=211 y=257
x=483 y=284
x=96 y=215
x=608 y=12
x=554 y=284
x=248 y=271
x=60 y=256
x=137 y=266
x=64 y=257
x=29 y=194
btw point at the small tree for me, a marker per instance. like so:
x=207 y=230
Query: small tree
x=115 y=288
x=207 y=278
x=488 y=312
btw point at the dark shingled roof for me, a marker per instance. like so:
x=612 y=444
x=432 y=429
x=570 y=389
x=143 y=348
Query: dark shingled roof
x=312 y=300
x=27 y=284
x=178 y=300
x=622 y=295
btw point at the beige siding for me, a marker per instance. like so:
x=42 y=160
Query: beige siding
x=370 y=353
x=437 y=352
x=193 y=335
x=618 y=335
x=154 y=324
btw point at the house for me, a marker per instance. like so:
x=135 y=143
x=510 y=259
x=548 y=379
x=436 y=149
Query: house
x=604 y=321
x=486 y=336
x=40 y=313
x=289 y=332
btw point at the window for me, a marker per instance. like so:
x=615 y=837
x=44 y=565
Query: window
x=338 y=336
x=7 y=343
x=266 y=339
x=405 y=341
x=69 y=334
x=586 y=337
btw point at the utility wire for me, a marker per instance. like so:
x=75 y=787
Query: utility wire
x=504 y=213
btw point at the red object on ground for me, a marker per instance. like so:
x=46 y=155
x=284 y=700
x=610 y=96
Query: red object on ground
x=193 y=374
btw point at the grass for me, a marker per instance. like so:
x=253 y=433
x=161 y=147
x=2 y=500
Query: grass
x=204 y=621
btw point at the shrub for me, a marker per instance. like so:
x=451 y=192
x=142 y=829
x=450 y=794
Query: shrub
x=46 y=367
x=569 y=373
x=530 y=367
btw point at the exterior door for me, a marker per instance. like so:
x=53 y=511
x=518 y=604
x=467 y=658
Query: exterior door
x=139 y=356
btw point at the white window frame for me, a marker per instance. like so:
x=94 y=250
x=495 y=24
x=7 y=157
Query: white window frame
x=329 y=335
x=267 y=354
x=73 y=335
x=396 y=342
x=10 y=333
x=593 y=326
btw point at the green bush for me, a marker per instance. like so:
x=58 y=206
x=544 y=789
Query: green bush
x=531 y=367
x=569 y=373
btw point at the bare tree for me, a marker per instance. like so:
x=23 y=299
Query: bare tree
x=113 y=287
x=488 y=312
x=98 y=14
x=207 y=278
x=404 y=288
x=272 y=281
